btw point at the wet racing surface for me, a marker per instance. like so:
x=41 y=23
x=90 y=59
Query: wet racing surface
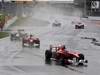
x=14 y=59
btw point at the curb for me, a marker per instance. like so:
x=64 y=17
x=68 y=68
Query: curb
x=10 y=22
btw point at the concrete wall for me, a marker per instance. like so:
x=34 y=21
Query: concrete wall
x=79 y=2
x=56 y=1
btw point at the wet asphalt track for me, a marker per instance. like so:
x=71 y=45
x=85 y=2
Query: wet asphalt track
x=15 y=60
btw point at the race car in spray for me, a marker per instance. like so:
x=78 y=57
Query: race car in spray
x=30 y=41
x=56 y=24
x=17 y=35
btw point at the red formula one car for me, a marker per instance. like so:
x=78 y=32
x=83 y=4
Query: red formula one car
x=30 y=41
x=65 y=57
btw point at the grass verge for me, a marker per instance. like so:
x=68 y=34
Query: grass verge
x=3 y=34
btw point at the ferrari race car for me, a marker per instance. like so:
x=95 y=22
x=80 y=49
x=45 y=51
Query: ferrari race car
x=18 y=35
x=65 y=57
x=56 y=24
x=30 y=41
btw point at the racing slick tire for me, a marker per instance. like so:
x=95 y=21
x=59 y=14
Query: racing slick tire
x=81 y=57
x=76 y=26
x=48 y=55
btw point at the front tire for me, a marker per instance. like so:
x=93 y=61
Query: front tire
x=62 y=61
x=81 y=58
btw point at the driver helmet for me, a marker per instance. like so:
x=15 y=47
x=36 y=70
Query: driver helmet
x=59 y=46
x=31 y=35
x=63 y=47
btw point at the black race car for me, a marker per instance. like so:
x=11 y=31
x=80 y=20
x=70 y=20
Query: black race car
x=79 y=26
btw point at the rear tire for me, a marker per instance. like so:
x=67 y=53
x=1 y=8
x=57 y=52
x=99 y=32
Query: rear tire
x=80 y=64
x=81 y=57
x=76 y=27
x=48 y=55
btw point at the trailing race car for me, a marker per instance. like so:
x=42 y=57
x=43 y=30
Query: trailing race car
x=30 y=41
x=79 y=26
x=56 y=24
x=65 y=57
x=18 y=35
